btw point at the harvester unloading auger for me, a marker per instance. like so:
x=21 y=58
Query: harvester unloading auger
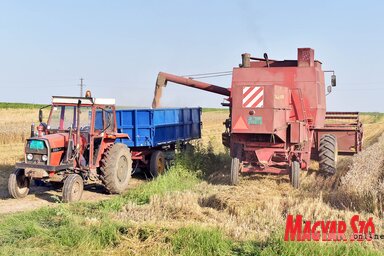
x=278 y=119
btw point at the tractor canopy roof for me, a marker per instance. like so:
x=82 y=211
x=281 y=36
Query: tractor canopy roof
x=68 y=100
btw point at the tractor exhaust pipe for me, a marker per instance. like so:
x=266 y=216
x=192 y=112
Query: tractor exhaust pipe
x=78 y=130
x=163 y=78
x=32 y=130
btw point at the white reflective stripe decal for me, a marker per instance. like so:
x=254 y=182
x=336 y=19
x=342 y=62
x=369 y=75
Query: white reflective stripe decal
x=246 y=98
x=253 y=96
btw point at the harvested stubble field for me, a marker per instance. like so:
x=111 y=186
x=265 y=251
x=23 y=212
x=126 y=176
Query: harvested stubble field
x=191 y=210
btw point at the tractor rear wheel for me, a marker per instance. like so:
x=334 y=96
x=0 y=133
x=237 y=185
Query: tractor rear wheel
x=116 y=168
x=235 y=166
x=18 y=184
x=328 y=154
x=294 y=174
x=157 y=164
x=73 y=188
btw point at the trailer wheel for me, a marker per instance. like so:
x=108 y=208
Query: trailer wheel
x=328 y=154
x=73 y=188
x=18 y=184
x=116 y=168
x=294 y=174
x=157 y=164
x=235 y=167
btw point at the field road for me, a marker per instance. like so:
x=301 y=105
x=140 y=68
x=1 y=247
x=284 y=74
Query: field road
x=46 y=196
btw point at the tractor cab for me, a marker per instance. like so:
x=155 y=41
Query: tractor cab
x=74 y=131
x=73 y=140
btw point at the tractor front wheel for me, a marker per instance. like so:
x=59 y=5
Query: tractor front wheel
x=116 y=168
x=157 y=164
x=73 y=188
x=294 y=174
x=235 y=166
x=18 y=184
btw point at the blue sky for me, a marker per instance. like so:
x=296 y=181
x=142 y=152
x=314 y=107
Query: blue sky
x=118 y=47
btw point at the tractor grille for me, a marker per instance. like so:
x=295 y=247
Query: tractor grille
x=37 y=159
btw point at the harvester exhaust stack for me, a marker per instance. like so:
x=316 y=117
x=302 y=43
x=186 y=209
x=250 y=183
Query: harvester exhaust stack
x=163 y=78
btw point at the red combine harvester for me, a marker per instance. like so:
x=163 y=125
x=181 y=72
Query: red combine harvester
x=278 y=119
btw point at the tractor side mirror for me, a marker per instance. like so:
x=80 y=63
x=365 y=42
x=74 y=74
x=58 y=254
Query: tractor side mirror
x=333 y=80
x=40 y=115
x=329 y=89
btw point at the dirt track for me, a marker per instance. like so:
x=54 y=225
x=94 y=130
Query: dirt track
x=46 y=196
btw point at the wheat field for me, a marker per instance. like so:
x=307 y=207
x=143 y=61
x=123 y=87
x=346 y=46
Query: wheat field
x=256 y=208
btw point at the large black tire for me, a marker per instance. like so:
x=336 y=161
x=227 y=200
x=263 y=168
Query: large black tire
x=235 y=166
x=73 y=188
x=328 y=154
x=294 y=174
x=18 y=184
x=157 y=164
x=116 y=168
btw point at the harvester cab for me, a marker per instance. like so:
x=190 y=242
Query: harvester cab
x=72 y=147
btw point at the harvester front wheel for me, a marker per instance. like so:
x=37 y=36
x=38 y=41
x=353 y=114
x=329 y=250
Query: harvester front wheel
x=116 y=168
x=328 y=154
x=157 y=164
x=73 y=188
x=235 y=166
x=18 y=184
x=295 y=174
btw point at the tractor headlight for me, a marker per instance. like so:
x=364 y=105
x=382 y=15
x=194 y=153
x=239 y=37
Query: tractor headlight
x=29 y=157
x=44 y=158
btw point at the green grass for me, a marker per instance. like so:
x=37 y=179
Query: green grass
x=215 y=109
x=177 y=179
x=90 y=228
x=66 y=228
x=195 y=240
x=20 y=105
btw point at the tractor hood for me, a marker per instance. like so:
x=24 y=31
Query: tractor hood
x=52 y=146
x=57 y=140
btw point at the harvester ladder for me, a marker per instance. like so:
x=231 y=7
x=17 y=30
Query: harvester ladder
x=302 y=104
x=299 y=104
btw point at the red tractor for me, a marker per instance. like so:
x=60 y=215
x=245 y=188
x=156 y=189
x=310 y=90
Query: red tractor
x=75 y=146
x=278 y=118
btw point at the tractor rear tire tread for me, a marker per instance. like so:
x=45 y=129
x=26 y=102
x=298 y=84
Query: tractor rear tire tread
x=109 y=168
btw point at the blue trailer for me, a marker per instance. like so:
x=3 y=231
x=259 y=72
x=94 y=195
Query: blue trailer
x=154 y=133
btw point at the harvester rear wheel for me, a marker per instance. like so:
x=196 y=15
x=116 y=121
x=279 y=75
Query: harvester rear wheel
x=295 y=174
x=73 y=188
x=328 y=154
x=18 y=184
x=235 y=166
x=116 y=168
x=157 y=164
